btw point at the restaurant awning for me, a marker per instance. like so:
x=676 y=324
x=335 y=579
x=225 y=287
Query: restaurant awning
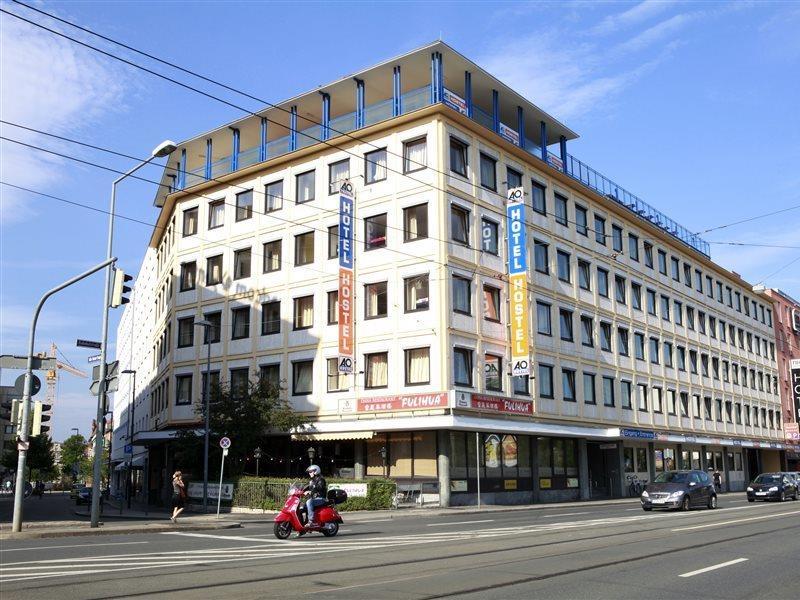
x=327 y=437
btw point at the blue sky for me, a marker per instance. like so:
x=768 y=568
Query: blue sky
x=690 y=105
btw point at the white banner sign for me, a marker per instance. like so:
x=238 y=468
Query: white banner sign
x=195 y=490
x=354 y=490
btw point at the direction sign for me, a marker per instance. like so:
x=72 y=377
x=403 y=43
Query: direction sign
x=225 y=443
x=88 y=344
x=94 y=358
x=113 y=386
x=111 y=370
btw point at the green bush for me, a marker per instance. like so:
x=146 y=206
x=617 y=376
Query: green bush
x=380 y=494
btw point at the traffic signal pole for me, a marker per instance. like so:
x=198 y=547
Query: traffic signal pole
x=19 y=490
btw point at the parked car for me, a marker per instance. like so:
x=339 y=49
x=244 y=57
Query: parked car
x=679 y=490
x=772 y=486
x=84 y=495
x=73 y=491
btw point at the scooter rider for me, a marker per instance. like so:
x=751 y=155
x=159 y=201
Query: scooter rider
x=317 y=489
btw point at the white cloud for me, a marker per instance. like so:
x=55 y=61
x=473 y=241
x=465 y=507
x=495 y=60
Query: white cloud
x=48 y=83
x=654 y=34
x=633 y=16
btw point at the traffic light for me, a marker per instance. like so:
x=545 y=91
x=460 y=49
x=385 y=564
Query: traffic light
x=119 y=289
x=39 y=416
x=6 y=406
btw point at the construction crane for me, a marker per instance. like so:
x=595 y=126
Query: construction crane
x=52 y=379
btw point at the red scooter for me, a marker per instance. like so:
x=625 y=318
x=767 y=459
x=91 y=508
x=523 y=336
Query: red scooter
x=294 y=517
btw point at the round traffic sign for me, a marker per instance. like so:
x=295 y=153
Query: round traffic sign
x=257 y=453
x=225 y=443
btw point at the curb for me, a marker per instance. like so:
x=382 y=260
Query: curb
x=154 y=528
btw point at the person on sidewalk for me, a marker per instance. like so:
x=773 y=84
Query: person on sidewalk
x=178 y=496
x=317 y=489
x=718 y=481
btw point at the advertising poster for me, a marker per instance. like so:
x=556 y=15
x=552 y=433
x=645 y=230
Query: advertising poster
x=518 y=282
x=509 y=451
x=491 y=451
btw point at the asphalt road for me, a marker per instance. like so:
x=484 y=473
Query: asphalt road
x=740 y=550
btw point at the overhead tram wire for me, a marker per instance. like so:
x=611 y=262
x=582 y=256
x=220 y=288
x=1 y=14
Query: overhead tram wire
x=747 y=220
x=249 y=112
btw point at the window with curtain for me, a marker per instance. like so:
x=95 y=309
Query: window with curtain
x=183 y=389
x=302 y=377
x=216 y=214
x=271 y=317
x=493 y=373
x=636 y=295
x=272 y=256
x=581 y=220
x=188 y=276
x=589 y=392
x=214 y=270
x=459 y=224
x=600 y=230
x=488 y=172
x=584 y=275
x=417 y=366
x=491 y=303
x=587 y=331
x=375 y=232
x=338 y=173
x=543 y=323
x=633 y=247
x=608 y=391
x=620 y=288
x=240 y=323
x=376 y=300
x=513 y=178
x=415 y=155
x=240 y=379
x=337 y=382
x=541 y=261
x=305 y=184
x=271 y=373
x=545 y=381
x=521 y=385
x=304 y=248
x=605 y=336
x=563 y=265
x=415 y=222
x=416 y=293
x=458 y=157
x=641 y=390
x=185 y=332
x=616 y=238
x=538 y=198
x=377 y=370
x=304 y=312
x=190 y=222
x=489 y=235
x=462 y=366
x=565 y=320
x=561 y=209
x=333 y=241
x=333 y=307
x=213 y=331
x=568 y=385
x=625 y=388
x=273 y=196
x=244 y=205
x=622 y=341
x=241 y=263
x=462 y=295
x=375 y=166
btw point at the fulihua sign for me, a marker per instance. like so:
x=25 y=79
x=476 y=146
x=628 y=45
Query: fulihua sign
x=518 y=281
x=346 y=265
x=499 y=404
x=403 y=402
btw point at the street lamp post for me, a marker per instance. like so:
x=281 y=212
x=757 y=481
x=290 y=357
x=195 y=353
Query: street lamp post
x=257 y=456
x=207 y=328
x=164 y=149
x=312 y=452
x=383 y=454
x=131 y=410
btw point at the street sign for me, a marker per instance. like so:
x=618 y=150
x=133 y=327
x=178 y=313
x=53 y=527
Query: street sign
x=36 y=384
x=8 y=361
x=95 y=358
x=111 y=378
x=225 y=443
x=113 y=386
x=23 y=445
x=128 y=448
x=257 y=453
x=88 y=344
x=111 y=370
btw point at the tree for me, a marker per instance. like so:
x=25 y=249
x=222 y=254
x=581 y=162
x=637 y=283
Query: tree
x=245 y=414
x=73 y=455
x=40 y=459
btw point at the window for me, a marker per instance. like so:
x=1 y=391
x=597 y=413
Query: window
x=377 y=370
x=273 y=196
x=719 y=292
x=213 y=331
x=712 y=326
x=272 y=256
x=417 y=361
x=304 y=249
x=622 y=341
x=538 y=198
x=271 y=317
x=654 y=350
x=462 y=366
x=678 y=311
x=693 y=361
x=540 y=257
x=333 y=307
x=709 y=287
x=489 y=235
x=239 y=382
x=600 y=230
x=665 y=304
x=625 y=387
x=584 y=275
x=685 y=405
x=543 y=324
x=188 y=276
x=185 y=332
x=633 y=247
x=491 y=303
x=214 y=270
x=304 y=312
x=589 y=392
x=648 y=255
x=662 y=262
x=375 y=166
x=676 y=268
x=639 y=345
x=458 y=157
x=681 y=358
x=642 y=397
x=183 y=389
x=701 y=321
x=605 y=336
x=545 y=381
x=462 y=296
x=565 y=322
x=376 y=300
x=306 y=187
x=492 y=373
x=333 y=241
x=415 y=222
x=241 y=263
x=338 y=173
x=690 y=317
x=658 y=405
x=568 y=385
x=375 y=232
x=302 y=377
x=687 y=275
x=416 y=293
x=459 y=224
x=619 y=288
x=521 y=385
x=608 y=391
x=244 y=205
x=616 y=238
x=668 y=354
x=581 y=220
x=587 y=331
x=672 y=402
x=562 y=262
x=561 y=210
x=415 y=155
x=651 y=302
x=190 y=222
x=216 y=214
x=337 y=382
x=240 y=323
x=513 y=178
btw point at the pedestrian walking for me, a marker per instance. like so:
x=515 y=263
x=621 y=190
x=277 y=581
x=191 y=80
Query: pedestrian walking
x=718 y=481
x=178 y=496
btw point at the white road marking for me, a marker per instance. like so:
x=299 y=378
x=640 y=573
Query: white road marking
x=459 y=523
x=358 y=585
x=737 y=521
x=72 y=546
x=569 y=514
x=238 y=538
x=714 y=567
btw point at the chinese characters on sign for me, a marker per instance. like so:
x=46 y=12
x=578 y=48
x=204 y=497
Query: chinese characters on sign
x=403 y=402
